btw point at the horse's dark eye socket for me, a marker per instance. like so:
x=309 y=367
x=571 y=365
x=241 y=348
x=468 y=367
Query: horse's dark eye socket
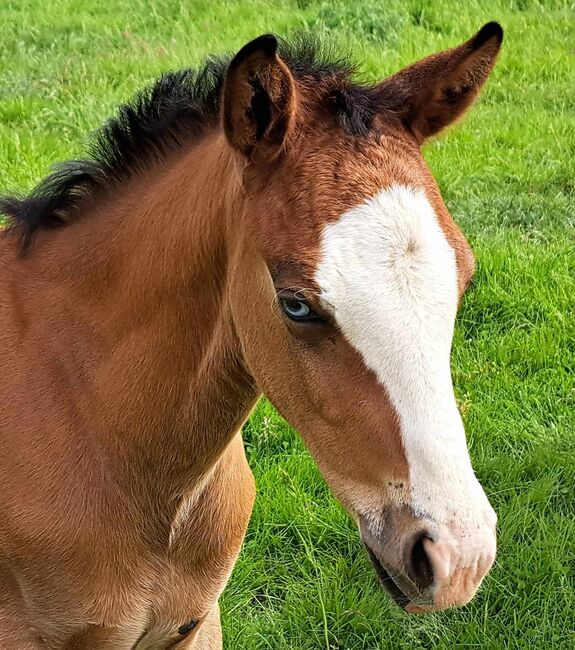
x=298 y=310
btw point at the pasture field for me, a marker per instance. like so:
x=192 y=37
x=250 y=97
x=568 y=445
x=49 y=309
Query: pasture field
x=508 y=176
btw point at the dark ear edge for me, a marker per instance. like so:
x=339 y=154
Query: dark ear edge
x=486 y=33
x=433 y=93
x=266 y=43
x=258 y=99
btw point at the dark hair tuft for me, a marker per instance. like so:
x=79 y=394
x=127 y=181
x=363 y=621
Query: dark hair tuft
x=179 y=107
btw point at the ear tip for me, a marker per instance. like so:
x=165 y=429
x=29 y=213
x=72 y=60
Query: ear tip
x=266 y=43
x=487 y=32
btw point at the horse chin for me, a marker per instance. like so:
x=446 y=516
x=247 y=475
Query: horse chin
x=387 y=581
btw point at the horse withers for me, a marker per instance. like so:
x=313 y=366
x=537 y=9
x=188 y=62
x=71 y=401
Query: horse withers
x=264 y=225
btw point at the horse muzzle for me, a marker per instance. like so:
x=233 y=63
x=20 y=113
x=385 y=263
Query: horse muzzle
x=426 y=566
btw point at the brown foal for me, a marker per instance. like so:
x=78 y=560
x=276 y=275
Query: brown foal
x=264 y=225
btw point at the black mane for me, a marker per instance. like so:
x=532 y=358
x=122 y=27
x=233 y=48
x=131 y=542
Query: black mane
x=180 y=106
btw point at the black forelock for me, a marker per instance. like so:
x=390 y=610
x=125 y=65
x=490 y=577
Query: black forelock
x=179 y=107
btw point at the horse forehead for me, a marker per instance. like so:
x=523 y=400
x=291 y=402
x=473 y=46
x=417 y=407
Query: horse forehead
x=324 y=179
x=391 y=245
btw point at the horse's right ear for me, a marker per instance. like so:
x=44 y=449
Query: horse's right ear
x=259 y=100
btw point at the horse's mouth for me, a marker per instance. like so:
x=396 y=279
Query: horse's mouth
x=397 y=595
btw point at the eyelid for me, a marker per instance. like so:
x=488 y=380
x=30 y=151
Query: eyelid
x=322 y=317
x=295 y=292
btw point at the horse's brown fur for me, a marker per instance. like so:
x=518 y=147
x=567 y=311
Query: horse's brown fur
x=137 y=338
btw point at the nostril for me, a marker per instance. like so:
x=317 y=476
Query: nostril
x=419 y=566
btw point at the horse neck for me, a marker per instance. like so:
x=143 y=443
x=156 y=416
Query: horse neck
x=145 y=280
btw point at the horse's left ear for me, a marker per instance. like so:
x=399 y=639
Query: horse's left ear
x=258 y=100
x=432 y=93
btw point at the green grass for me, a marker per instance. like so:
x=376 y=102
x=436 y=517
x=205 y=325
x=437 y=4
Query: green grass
x=507 y=173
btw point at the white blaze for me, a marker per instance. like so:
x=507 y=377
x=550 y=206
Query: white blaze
x=388 y=275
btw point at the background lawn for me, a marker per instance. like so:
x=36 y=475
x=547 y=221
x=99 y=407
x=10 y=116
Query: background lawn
x=507 y=174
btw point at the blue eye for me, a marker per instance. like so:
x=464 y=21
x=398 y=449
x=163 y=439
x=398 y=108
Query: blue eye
x=298 y=310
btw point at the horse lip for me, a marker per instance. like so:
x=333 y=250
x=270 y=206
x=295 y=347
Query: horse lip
x=398 y=596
